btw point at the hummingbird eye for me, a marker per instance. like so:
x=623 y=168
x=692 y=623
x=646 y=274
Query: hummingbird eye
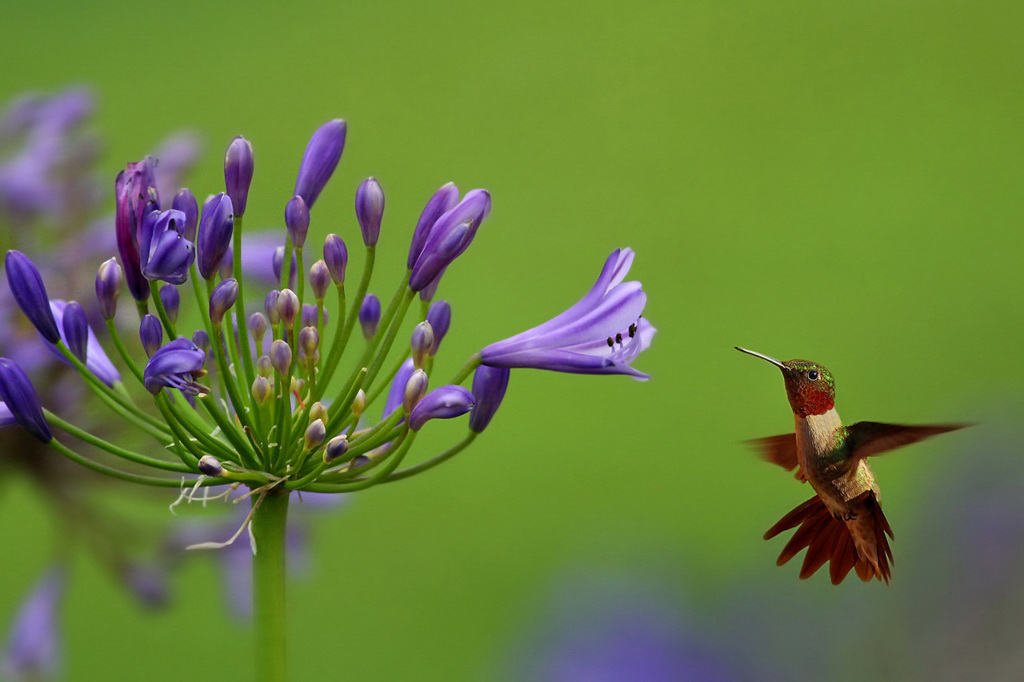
x=812 y=375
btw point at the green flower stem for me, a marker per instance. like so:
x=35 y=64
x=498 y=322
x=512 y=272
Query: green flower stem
x=231 y=432
x=143 y=308
x=270 y=516
x=217 y=341
x=243 y=329
x=389 y=339
x=433 y=461
x=300 y=279
x=286 y=262
x=467 y=369
x=117 y=402
x=344 y=404
x=187 y=450
x=284 y=407
x=342 y=333
x=165 y=319
x=124 y=475
x=308 y=478
x=123 y=352
x=113 y=449
x=233 y=350
x=361 y=484
x=195 y=426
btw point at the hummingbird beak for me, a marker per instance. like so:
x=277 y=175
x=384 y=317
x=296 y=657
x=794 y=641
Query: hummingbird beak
x=763 y=357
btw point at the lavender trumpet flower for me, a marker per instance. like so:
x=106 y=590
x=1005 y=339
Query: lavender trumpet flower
x=370 y=209
x=602 y=334
x=165 y=251
x=21 y=399
x=215 y=228
x=489 y=384
x=30 y=294
x=320 y=159
x=175 y=366
x=238 y=169
x=446 y=402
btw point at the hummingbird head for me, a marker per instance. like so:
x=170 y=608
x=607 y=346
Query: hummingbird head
x=809 y=386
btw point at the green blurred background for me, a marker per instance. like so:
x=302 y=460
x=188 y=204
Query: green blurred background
x=832 y=181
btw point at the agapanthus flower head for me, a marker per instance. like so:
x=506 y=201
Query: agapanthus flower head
x=320 y=159
x=165 y=252
x=30 y=294
x=238 y=170
x=370 y=209
x=602 y=334
x=215 y=229
x=20 y=397
x=176 y=365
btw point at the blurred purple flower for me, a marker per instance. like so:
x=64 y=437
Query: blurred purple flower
x=33 y=649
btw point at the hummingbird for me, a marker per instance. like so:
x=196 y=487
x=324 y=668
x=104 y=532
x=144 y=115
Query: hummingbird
x=843 y=522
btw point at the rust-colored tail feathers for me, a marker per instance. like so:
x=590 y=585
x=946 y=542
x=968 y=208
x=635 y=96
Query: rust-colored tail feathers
x=859 y=544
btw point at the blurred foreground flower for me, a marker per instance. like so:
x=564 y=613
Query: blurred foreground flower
x=33 y=650
x=260 y=412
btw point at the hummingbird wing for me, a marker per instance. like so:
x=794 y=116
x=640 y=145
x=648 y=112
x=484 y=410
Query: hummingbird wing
x=780 y=450
x=873 y=438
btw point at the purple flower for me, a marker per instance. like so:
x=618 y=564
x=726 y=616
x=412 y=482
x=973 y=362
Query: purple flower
x=171 y=301
x=165 y=251
x=136 y=196
x=185 y=202
x=440 y=318
x=238 y=169
x=336 y=257
x=30 y=294
x=296 y=219
x=173 y=366
x=489 y=384
x=215 y=228
x=443 y=201
x=223 y=297
x=108 y=286
x=21 y=399
x=97 y=361
x=445 y=402
x=601 y=334
x=449 y=237
x=396 y=392
x=75 y=330
x=151 y=333
x=320 y=159
x=369 y=315
x=33 y=649
x=370 y=209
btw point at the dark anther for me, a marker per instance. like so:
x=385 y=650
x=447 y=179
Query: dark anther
x=618 y=338
x=611 y=344
x=632 y=330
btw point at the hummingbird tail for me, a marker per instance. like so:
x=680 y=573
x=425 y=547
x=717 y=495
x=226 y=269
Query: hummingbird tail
x=828 y=539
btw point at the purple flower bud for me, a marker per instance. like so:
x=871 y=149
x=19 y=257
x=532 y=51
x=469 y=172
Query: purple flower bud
x=76 y=330
x=358 y=462
x=489 y=384
x=319 y=279
x=227 y=264
x=33 y=649
x=320 y=159
x=270 y=306
x=421 y=343
x=369 y=315
x=278 y=262
x=281 y=356
x=264 y=367
x=135 y=192
x=215 y=228
x=336 y=447
x=30 y=294
x=296 y=219
x=210 y=466
x=202 y=340
x=185 y=202
x=314 y=436
x=309 y=315
x=238 y=168
x=449 y=237
x=98 y=363
x=443 y=201
x=415 y=389
x=223 y=297
x=166 y=253
x=335 y=257
x=396 y=391
x=441 y=403
x=151 y=333
x=288 y=307
x=147 y=583
x=20 y=397
x=261 y=388
x=171 y=301
x=440 y=318
x=258 y=326
x=108 y=286
x=174 y=366
x=370 y=209
x=309 y=341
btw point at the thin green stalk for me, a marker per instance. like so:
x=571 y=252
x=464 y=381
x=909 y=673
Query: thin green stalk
x=243 y=329
x=196 y=428
x=269 y=520
x=123 y=352
x=114 y=449
x=165 y=319
x=467 y=369
x=124 y=475
x=342 y=335
x=433 y=461
x=389 y=339
x=361 y=484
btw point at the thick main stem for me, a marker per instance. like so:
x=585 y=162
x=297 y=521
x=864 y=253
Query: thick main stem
x=268 y=585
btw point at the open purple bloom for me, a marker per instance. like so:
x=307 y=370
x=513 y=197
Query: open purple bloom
x=601 y=334
x=174 y=366
x=18 y=394
x=320 y=159
x=449 y=237
x=135 y=191
x=445 y=402
x=440 y=203
x=30 y=294
x=165 y=251
x=96 y=361
x=33 y=649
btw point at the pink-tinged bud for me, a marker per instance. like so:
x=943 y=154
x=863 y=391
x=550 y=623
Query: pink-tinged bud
x=296 y=219
x=288 y=307
x=171 y=301
x=151 y=333
x=336 y=257
x=440 y=318
x=421 y=343
x=76 y=330
x=415 y=389
x=238 y=169
x=185 y=202
x=258 y=326
x=210 y=466
x=281 y=356
x=369 y=315
x=108 y=286
x=319 y=279
x=320 y=159
x=223 y=297
x=370 y=209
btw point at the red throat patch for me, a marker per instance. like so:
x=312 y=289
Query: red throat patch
x=812 y=402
